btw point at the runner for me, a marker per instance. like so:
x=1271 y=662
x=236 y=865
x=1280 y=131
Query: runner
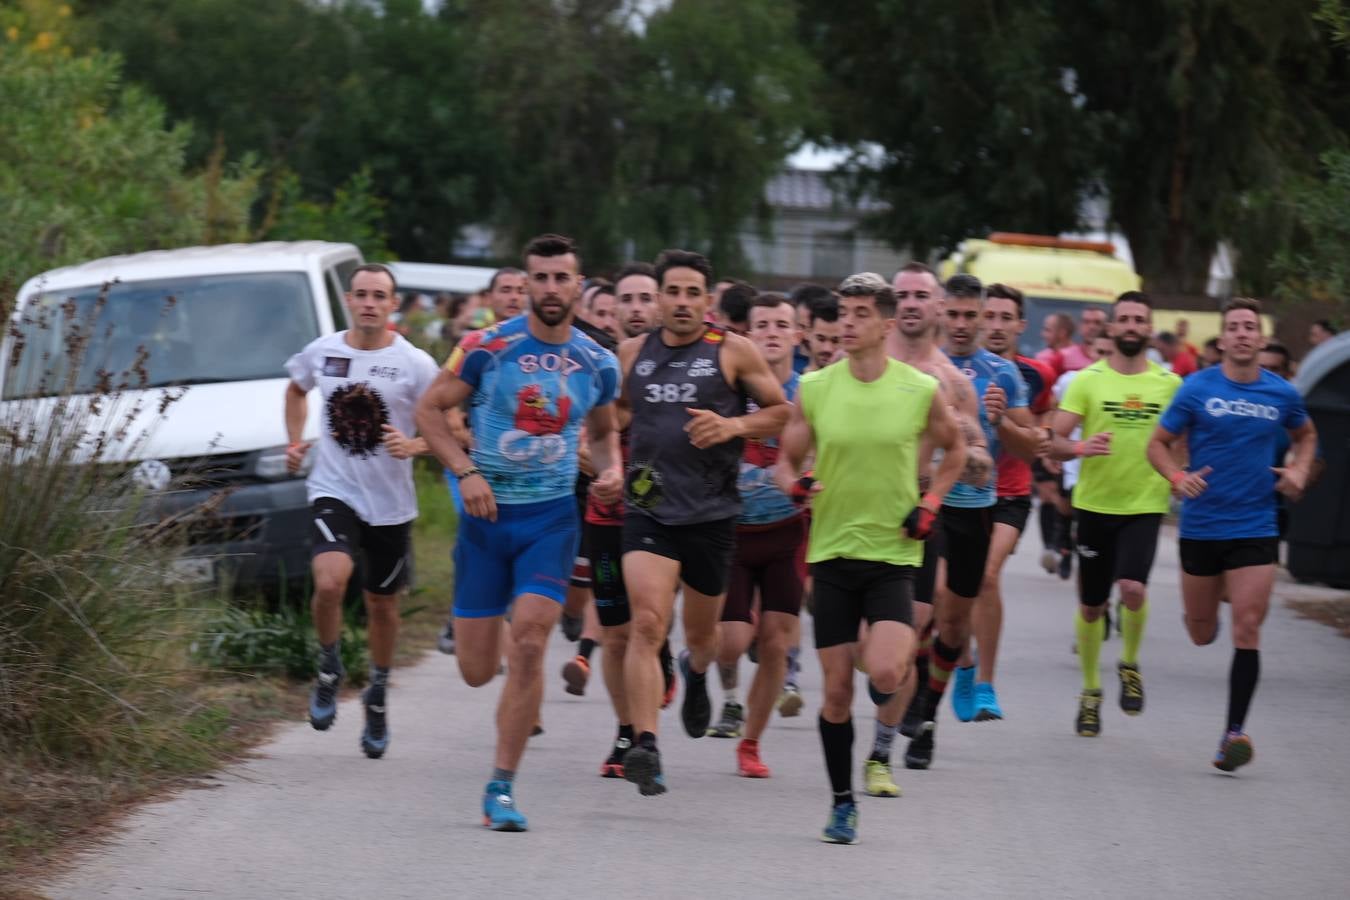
x=866 y=419
x=918 y=292
x=686 y=386
x=506 y=298
x=1232 y=417
x=1119 y=500
x=822 y=338
x=361 y=487
x=769 y=534
x=1002 y=322
x=530 y=381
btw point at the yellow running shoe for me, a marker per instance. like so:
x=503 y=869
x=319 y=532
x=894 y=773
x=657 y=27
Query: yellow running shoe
x=878 y=781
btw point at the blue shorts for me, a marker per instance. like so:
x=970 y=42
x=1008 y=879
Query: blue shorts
x=528 y=550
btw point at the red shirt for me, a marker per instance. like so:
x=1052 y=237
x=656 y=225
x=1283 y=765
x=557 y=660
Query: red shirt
x=1184 y=364
x=1014 y=474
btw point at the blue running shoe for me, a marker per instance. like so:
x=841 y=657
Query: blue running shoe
x=843 y=825
x=986 y=703
x=323 y=700
x=499 y=808
x=375 y=736
x=963 y=693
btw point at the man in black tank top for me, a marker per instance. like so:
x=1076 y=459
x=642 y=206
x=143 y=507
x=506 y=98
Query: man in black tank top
x=685 y=387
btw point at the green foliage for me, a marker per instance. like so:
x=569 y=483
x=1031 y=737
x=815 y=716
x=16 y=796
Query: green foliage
x=1317 y=266
x=104 y=175
x=355 y=214
x=968 y=101
x=276 y=642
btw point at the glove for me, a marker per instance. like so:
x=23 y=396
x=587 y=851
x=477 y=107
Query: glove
x=919 y=523
x=801 y=489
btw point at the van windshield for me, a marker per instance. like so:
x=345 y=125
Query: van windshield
x=192 y=330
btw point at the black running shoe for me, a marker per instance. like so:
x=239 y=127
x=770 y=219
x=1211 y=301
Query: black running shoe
x=375 y=736
x=1089 y=721
x=446 y=642
x=1065 y=565
x=571 y=627
x=323 y=699
x=643 y=767
x=919 y=754
x=1131 y=689
x=696 y=710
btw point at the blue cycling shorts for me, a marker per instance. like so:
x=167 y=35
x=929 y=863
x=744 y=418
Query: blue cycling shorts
x=528 y=550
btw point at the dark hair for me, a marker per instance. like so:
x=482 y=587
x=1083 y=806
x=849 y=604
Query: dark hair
x=683 y=259
x=736 y=300
x=869 y=284
x=1168 y=338
x=1325 y=325
x=508 y=270
x=964 y=286
x=635 y=268
x=810 y=294
x=549 y=245
x=826 y=308
x=596 y=282
x=767 y=300
x=1001 y=291
x=1214 y=343
x=1132 y=297
x=1276 y=347
x=373 y=267
x=603 y=288
x=1235 y=303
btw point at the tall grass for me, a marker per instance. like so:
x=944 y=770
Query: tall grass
x=92 y=638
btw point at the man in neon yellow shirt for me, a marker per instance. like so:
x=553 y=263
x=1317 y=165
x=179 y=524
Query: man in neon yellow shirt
x=865 y=417
x=1119 y=500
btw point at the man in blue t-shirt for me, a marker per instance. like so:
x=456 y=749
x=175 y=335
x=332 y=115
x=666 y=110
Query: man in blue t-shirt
x=1233 y=417
x=966 y=521
x=531 y=382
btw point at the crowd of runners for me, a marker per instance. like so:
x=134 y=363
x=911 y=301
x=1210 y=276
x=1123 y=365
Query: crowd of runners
x=620 y=450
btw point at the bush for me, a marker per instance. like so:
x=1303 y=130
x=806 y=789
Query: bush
x=92 y=638
x=280 y=642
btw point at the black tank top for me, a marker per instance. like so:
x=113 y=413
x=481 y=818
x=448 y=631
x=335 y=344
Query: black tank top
x=669 y=479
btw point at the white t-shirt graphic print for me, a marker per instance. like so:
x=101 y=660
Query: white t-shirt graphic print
x=362 y=391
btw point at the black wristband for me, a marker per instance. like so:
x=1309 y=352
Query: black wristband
x=471 y=470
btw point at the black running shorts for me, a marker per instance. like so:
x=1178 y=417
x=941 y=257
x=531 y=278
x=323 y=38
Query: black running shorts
x=1013 y=511
x=964 y=544
x=334 y=526
x=1206 y=558
x=703 y=550
x=849 y=592
x=1113 y=548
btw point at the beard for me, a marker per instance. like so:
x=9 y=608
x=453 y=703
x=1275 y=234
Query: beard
x=1129 y=346
x=551 y=316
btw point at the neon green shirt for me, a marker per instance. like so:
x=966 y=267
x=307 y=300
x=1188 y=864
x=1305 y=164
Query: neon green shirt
x=1122 y=483
x=867 y=439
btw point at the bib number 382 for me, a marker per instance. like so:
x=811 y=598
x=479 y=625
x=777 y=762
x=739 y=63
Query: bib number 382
x=672 y=393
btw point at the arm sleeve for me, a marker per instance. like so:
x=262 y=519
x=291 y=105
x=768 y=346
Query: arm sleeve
x=1015 y=387
x=1075 y=395
x=1180 y=413
x=468 y=359
x=1296 y=412
x=301 y=370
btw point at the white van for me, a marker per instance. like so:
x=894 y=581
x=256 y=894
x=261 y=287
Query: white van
x=220 y=322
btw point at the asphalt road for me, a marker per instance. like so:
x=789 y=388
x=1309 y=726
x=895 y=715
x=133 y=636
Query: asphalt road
x=1018 y=808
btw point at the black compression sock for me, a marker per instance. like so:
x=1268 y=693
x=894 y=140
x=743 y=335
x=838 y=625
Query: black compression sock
x=585 y=648
x=626 y=733
x=836 y=738
x=647 y=740
x=1242 y=678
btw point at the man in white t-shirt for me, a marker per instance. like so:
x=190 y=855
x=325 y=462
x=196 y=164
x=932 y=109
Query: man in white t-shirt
x=361 y=486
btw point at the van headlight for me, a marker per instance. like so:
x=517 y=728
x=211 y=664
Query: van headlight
x=270 y=464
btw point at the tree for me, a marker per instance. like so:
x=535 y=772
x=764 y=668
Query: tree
x=978 y=123
x=88 y=167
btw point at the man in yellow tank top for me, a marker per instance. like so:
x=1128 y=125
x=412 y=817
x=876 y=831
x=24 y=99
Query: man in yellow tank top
x=864 y=416
x=1119 y=500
